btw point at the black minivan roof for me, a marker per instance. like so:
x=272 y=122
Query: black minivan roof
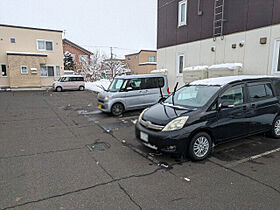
x=222 y=81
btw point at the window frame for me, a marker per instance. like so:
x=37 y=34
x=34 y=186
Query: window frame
x=54 y=73
x=276 y=57
x=178 y=64
x=249 y=84
x=152 y=60
x=53 y=70
x=26 y=70
x=80 y=56
x=244 y=91
x=45 y=45
x=180 y=22
x=1 y=65
x=12 y=38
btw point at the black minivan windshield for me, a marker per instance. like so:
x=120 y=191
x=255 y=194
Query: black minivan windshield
x=192 y=96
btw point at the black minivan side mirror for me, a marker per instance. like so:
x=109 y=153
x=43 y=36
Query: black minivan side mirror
x=226 y=104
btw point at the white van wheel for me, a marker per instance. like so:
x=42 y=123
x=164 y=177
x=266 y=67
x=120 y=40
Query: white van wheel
x=81 y=88
x=58 y=89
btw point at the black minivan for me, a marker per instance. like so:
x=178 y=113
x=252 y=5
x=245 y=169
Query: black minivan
x=207 y=112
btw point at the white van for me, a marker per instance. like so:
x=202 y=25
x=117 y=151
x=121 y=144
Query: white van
x=69 y=82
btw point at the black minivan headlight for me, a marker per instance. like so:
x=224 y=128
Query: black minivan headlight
x=176 y=124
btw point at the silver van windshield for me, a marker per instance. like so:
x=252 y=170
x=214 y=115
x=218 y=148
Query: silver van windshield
x=117 y=84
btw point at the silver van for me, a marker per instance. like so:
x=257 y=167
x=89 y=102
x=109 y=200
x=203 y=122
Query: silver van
x=133 y=92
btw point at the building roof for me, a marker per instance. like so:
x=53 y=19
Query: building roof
x=77 y=46
x=222 y=81
x=26 y=53
x=140 y=52
x=31 y=28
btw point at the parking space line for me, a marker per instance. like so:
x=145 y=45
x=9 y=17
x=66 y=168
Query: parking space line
x=253 y=157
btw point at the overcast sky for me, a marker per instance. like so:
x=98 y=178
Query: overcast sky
x=126 y=24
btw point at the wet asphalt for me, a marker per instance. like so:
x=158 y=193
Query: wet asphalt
x=58 y=151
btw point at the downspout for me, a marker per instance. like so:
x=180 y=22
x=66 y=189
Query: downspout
x=199 y=11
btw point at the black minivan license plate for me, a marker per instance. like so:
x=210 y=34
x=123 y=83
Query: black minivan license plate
x=144 y=137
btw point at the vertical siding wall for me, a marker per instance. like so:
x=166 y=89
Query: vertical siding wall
x=240 y=15
x=246 y=20
x=256 y=58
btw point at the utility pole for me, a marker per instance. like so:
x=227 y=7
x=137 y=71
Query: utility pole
x=111 y=48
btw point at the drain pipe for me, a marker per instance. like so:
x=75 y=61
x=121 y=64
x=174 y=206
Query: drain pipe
x=199 y=11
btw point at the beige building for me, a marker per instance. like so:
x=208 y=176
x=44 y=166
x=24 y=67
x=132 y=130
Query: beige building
x=142 y=62
x=29 y=57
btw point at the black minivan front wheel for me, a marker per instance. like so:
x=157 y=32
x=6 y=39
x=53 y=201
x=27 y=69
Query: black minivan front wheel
x=275 y=130
x=117 y=109
x=200 y=146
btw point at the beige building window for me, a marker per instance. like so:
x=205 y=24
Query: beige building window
x=182 y=13
x=4 y=70
x=57 y=70
x=23 y=70
x=46 y=71
x=180 y=64
x=151 y=58
x=43 y=45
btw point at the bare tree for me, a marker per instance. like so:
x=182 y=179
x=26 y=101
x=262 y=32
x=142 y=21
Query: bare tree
x=93 y=69
x=116 y=67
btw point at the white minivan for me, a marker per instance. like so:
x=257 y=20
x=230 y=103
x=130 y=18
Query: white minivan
x=69 y=82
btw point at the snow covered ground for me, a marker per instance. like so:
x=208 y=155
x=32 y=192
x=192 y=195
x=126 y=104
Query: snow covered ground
x=97 y=85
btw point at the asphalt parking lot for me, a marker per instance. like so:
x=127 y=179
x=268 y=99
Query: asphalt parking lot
x=59 y=152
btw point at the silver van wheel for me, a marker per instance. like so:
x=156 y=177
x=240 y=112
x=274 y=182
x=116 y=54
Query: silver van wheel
x=117 y=109
x=81 y=88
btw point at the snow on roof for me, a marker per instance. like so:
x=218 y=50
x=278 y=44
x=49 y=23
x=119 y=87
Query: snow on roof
x=25 y=53
x=148 y=63
x=222 y=81
x=71 y=75
x=195 y=68
x=231 y=66
x=159 y=71
x=138 y=76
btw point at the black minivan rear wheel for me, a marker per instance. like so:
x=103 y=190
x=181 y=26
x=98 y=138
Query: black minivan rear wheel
x=275 y=129
x=200 y=146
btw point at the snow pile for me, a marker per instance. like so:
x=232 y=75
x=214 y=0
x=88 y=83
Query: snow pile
x=97 y=85
x=160 y=71
x=196 y=68
x=231 y=66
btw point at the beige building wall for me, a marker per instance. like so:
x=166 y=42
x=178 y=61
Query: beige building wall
x=257 y=59
x=139 y=63
x=26 y=41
